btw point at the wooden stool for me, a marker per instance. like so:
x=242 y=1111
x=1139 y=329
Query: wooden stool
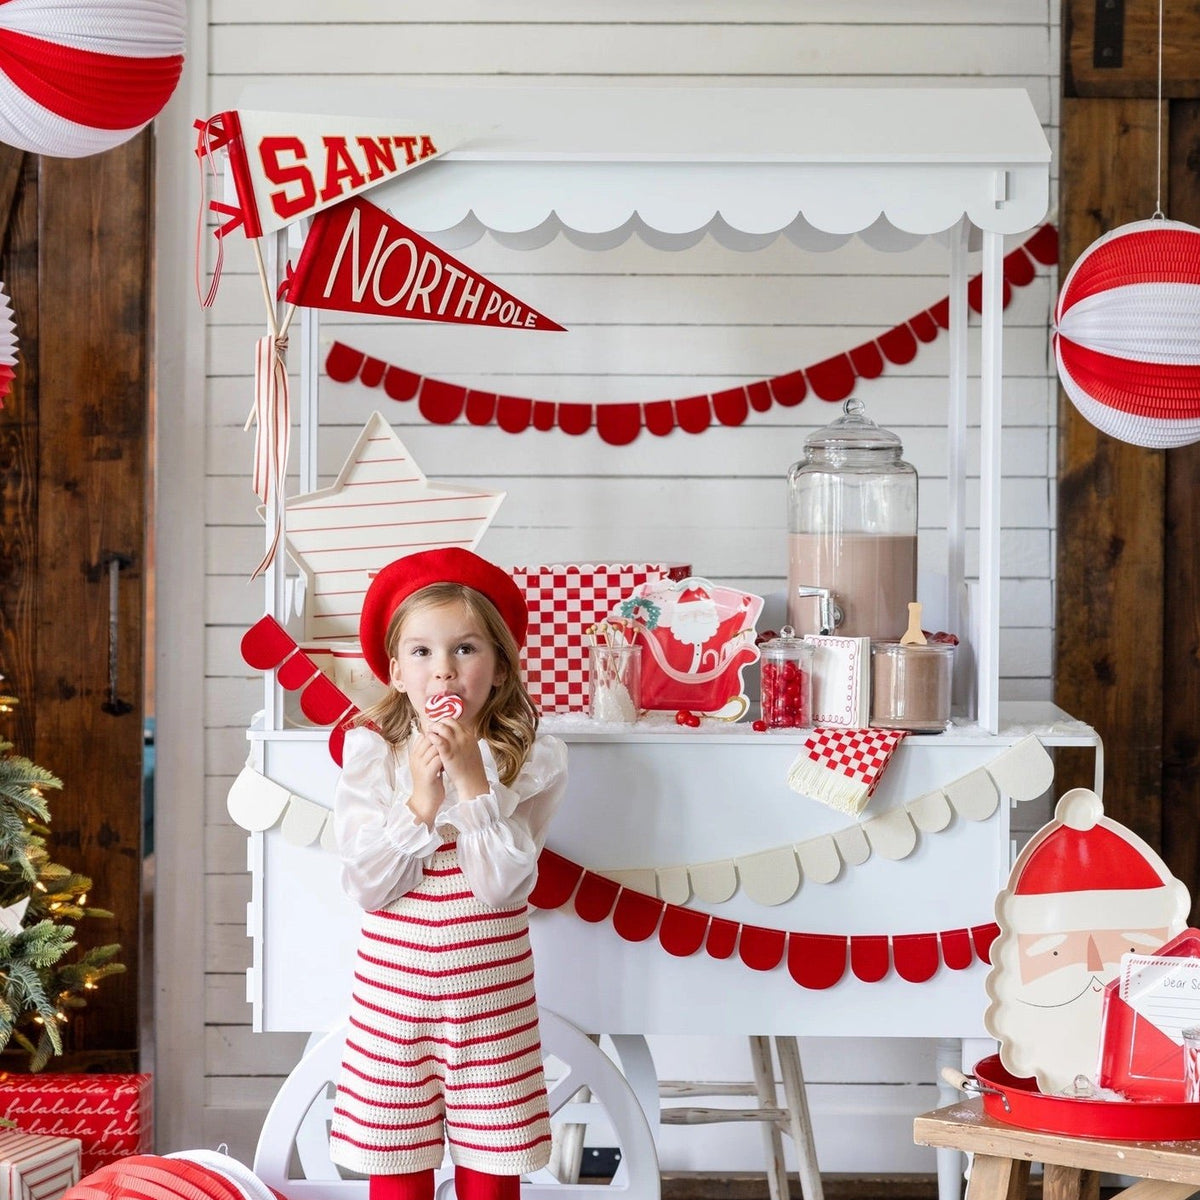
x=791 y=1118
x=1072 y=1166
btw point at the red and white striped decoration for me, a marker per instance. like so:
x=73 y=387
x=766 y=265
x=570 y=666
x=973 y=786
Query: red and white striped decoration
x=83 y=76
x=1127 y=333
x=37 y=1166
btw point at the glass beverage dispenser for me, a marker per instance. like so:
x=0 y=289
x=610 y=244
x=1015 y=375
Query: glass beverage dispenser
x=852 y=531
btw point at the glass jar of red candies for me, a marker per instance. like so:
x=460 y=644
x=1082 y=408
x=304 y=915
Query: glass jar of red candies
x=786 y=667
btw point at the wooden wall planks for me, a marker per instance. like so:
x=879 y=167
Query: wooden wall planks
x=646 y=325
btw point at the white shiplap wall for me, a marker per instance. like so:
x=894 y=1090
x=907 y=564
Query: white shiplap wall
x=644 y=324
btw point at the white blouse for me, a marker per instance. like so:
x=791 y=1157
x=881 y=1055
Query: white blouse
x=383 y=846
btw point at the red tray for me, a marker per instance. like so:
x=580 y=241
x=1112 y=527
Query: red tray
x=1018 y=1102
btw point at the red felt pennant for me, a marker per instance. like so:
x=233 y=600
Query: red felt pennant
x=513 y=413
x=915 y=956
x=556 y=880
x=731 y=407
x=618 y=424
x=899 y=344
x=867 y=361
x=660 y=417
x=323 y=702
x=722 y=937
x=266 y=644
x=982 y=937
x=975 y=294
x=371 y=373
x=400 y=384
x=296 y=672
x=924 y=326
x=759 y=395
x=337 y=742
x=956 y=949
x=574 y=418
x=832 y=378
x=441 y=403
x=1018 y=268
x=481 y=407
x=870 y=959
x=342 y=362
x=596 y=896
x=761 y=949
x=682 y=930
x=788 y=389
x=816 y=960
x=1043 y=246
x=693 y=414
x=636 y=915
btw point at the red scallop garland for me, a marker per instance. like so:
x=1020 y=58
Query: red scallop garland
x=814 y=960
x=832 y=379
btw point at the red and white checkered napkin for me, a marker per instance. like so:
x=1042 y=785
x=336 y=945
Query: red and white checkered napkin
x=842 y=767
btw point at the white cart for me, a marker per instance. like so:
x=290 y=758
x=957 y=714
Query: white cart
x=821 y=165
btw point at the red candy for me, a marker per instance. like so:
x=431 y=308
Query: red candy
x=758 y=726
x=785 y=696
x=693 y=721
x=442 y=705
x=683 y=717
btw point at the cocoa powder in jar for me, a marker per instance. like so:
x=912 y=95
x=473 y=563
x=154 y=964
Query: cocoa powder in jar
x=910 y=686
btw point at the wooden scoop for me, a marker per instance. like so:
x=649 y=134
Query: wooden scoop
x=912 y=635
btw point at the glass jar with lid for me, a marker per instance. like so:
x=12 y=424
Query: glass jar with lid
x=852 y=531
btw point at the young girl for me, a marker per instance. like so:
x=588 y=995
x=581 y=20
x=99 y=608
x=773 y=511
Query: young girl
x=439 y=823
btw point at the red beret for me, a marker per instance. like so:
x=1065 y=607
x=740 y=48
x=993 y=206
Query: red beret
x=398 y=580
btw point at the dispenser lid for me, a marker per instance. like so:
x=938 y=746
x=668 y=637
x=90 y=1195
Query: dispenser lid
x=853 y=430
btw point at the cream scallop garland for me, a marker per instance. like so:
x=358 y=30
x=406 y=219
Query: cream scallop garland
x=769 y=877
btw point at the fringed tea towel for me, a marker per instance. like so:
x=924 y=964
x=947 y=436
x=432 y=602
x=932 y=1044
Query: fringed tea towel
x=842 y=767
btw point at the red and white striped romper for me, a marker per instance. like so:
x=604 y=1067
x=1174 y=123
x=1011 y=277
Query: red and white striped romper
x=443 y=1044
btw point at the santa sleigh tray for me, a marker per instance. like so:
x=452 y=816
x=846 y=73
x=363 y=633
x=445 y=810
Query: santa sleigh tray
x=1019 y=1102
x=697 y=638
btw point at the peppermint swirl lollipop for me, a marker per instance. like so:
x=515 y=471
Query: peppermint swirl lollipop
x=442 y=705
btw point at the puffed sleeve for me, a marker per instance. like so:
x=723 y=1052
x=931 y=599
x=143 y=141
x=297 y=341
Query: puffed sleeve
x=501 y=834
x=381 y=843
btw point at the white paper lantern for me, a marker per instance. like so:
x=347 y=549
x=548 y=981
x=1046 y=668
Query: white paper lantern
x=81 y=76
x=1127 y=333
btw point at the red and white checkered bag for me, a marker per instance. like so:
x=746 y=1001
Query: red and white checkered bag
x=564 y=601
x=842 y=767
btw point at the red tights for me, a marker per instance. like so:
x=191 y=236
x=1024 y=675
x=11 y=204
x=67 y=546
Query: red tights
x=468 y=1185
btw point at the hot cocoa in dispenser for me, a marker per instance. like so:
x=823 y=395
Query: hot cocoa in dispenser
x=852 y=524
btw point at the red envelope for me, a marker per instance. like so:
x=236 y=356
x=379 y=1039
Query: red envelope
x=1136 y=1058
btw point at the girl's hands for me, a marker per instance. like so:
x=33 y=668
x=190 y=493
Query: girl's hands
x=425 y=763
x=458 y=750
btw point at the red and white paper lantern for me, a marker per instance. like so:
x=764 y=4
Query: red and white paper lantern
x=81 y=76
x=1127 y=333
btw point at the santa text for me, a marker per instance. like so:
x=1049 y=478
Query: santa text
x=339 y=167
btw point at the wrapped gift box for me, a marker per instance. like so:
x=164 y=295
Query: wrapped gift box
x=110 y=1115
x=564 y=600
x=36 y=1166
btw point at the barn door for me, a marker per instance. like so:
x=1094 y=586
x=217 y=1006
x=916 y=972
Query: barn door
x=1128 y=608
x=75 y=258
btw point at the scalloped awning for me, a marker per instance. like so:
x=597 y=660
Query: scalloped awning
x=744 y=164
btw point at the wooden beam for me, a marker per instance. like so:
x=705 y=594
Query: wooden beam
x=1089 y=71
x=1181 y=574
x=1109 y=590
x=95 y=258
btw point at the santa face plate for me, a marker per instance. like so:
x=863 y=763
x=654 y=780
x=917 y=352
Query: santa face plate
x=697 y=639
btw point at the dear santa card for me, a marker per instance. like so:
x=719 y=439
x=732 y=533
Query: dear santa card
x=841 y=693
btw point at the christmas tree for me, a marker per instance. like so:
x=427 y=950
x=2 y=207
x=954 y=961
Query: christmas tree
x=38 y=985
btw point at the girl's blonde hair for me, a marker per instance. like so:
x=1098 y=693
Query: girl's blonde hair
x=508 y=720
